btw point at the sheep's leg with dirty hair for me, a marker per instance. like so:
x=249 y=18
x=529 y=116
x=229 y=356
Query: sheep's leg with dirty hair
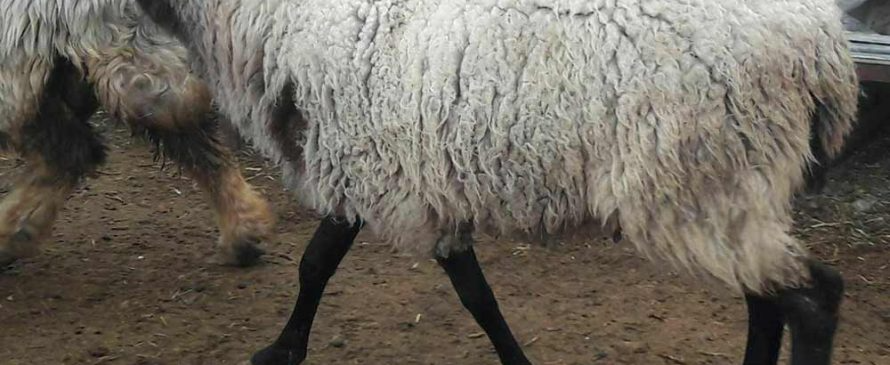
x=244 y=218
x=329 y=244
x=160 y=98
x=59 y=148
x=477 y=297
x=29 y=211
x=811 y=313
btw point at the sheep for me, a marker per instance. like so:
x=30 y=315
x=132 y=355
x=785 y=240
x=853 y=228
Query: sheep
x=688 y=123
x=60 y=61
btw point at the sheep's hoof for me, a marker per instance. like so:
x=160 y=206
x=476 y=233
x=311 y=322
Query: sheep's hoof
x=20 y=244
x=274 y=355
x=248 y=253
x=244 y=252
x=6 y=260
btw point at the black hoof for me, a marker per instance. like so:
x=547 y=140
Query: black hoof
x=247 y=252
x=276 y=356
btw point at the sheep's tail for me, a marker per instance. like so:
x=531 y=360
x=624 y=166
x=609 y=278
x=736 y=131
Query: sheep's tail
x=835 y=97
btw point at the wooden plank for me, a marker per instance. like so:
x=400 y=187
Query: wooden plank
x=871 y=60
x=874 y=38
x=871 y=52
x=874 y=50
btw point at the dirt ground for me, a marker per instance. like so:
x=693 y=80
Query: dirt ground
x=127 y=278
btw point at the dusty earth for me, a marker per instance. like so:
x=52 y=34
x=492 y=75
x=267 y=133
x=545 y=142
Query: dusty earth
x=127 y=278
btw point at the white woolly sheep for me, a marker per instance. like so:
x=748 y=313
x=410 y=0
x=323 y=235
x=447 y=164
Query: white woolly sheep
x=60 y=60
x=688 y=123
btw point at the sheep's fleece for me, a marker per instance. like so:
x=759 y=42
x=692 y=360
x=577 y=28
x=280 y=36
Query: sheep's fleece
x=686 y=120
x=87 y=32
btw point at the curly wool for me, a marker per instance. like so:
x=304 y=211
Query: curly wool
x=687 y=121
x=111 y=38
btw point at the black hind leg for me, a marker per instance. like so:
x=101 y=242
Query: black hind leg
x=810 y=312
x=812 y=315
x=475 y=294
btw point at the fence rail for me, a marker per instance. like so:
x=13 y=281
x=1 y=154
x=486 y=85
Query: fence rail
x=871 y=52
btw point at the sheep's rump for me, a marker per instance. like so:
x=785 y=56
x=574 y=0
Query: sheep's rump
x=688 y=121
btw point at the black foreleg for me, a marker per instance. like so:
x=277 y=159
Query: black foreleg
x=329 y=244
x=765 y=325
